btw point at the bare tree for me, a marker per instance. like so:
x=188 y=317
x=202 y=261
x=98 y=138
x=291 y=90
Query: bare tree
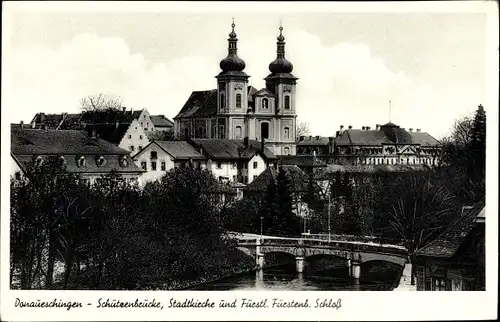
x=303 y=128
x=461 y=131
x=101 y=102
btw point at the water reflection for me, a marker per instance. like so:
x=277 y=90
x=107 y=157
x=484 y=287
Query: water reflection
x=284 y=278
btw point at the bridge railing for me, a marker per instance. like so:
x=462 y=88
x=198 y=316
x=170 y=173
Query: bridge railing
x=366 y=239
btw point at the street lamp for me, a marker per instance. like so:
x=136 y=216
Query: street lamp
x=329 y=206
x=261 y=225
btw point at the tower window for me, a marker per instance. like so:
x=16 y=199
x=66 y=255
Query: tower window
x=237 y=134
x=264 y=130
x=221 y=134
x=287 y=132
x=265 y=103
x=238 y=100
x=287 y=102
x=222 y=101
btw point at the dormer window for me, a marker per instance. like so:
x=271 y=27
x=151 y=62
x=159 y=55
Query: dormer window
x=265 y=103
x=39 y=161
x=81 y=161
x=124 y=162
x=101 y=161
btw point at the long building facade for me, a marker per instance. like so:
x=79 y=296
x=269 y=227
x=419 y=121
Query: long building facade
x=235 y=110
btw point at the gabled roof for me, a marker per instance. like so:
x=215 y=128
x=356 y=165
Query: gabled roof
x=263 y=92
x=231 y=149
x=108 y=116
x=110 y=132
x=447 y=244
x=180 y=150
x=42 y=142
x=424 y=139
x=136 y=114
x=161 y=121
x=298 y=179
x=200 y=104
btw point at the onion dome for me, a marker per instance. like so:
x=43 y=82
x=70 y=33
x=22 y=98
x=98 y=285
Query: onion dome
x=280 y=64
x=232 y=62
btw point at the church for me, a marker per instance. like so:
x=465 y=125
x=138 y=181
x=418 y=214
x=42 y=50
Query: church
x=235 y=110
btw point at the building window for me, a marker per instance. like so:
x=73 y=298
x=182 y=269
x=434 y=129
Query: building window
x=142 y=124
x=154 y=155
x=222 y=101
x=140 y=147
x=219 y=164
x=287 y=102
x=140 y=137
x=163 y=166
x=131 y=148
x=129 y=136
x=265 y=103
x=17 y=175
x=254 y=177
x=245 y=179
x=264 y=130
x=287 y=151
x=222 y=134
x=287 y=133
x=238 y=100
x=100 y=161
x=124 y=162
x=237 y=134
x=145 y=129
x=234 y=178
x=144 y=165
x=153 y=165
x=255 y=164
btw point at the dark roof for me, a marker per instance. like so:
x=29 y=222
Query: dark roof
x=110 y=132
x=108 y=116
x=180 y=150
x=41 y=142
x=51 y=120
x=313 y=141
x=386 y=135
x=161 y=121
x=251 y=90
x=71 y=121
x=302 y=161
x=231 y=149
x=447 y=244
x=136 y=114
x=200 y=104
x=298 y=179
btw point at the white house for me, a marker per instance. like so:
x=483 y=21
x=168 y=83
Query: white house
x=159 y=157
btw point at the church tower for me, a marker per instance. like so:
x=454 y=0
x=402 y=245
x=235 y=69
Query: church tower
x=281 y=82
x=232 y=100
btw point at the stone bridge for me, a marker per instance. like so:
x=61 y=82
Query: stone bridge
x=355 y=253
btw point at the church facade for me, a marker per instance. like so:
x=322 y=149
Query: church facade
x=235 y=110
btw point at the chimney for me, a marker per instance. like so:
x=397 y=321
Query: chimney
x=368 y=128
x=341 y=127
x=302 y=137
x=378 y=127
x=350 y=127
x=317 y=137
x=262 y=145
x=363 y=128
x=310 y=137
x=245 y=141
x=21 y=125
x=418 y=130
x=411 y=129
x=94 y=135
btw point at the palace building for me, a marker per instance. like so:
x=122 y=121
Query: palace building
x=235 y=110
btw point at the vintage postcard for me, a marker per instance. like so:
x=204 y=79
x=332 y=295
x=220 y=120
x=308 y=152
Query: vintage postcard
x=249 y=161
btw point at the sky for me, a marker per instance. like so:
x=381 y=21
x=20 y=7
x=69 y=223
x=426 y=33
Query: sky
x=431 y=66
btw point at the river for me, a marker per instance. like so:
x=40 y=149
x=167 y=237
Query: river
x=284 y=278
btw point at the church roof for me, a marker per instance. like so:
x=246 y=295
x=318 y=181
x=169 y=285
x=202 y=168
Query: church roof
x=200 y=104
x=263 y=92
x=386 y=135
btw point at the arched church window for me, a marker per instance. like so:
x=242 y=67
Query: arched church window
x=238 y=100
x=287 y=151
x=287 y=132
x=265 y=103
x=237 y=133
x=287 y=102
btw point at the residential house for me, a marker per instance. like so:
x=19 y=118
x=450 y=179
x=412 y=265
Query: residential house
x=144 y=119
x=52 y=121
x=88 y=156
x=235 y=160
x=455 y=260
x=320 y=145
x=159 y=157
